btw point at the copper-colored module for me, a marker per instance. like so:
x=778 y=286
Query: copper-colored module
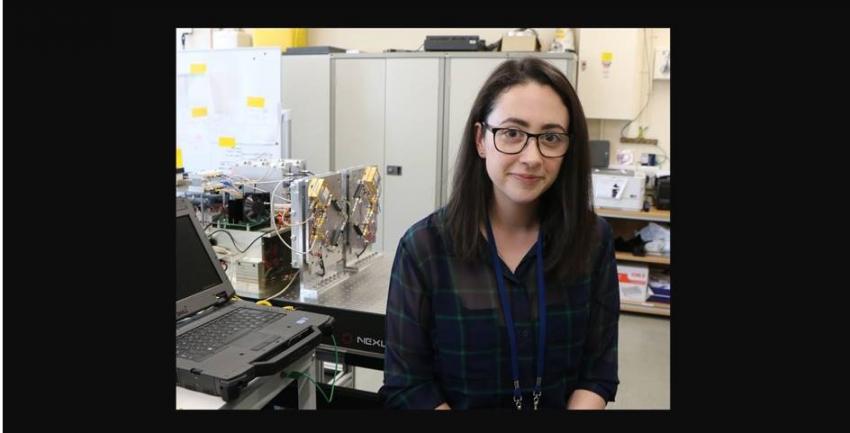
x=370 y=181
x=315 y=187
x=320 y=197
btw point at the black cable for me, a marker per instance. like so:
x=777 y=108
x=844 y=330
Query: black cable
x=214 y=220
x=365 y=245
x=234 y=240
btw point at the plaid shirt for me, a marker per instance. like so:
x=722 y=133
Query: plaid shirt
x=446 y=339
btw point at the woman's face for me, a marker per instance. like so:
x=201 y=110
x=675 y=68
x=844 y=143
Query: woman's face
x=533 y=108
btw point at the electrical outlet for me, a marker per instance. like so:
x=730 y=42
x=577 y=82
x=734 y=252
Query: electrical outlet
x=662 y=64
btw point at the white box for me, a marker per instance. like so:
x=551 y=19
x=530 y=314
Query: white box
x=634 y=281
x=230 y=39
x=249 y=269
x=619 y=190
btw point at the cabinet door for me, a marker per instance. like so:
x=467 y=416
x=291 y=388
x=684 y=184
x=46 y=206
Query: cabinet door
x=359 y=108
x=413 y=131
x=465 y=78
x=305 y=89
x=609 y=72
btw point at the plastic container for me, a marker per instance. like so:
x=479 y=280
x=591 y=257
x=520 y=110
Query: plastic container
x=283 y=38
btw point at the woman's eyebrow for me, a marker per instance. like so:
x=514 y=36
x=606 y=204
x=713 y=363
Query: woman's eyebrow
x=525 y=124
x=519 y=122
x=553 y=125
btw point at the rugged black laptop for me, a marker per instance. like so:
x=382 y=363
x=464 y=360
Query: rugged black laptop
x=224 y=343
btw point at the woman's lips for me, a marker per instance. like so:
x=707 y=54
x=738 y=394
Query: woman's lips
x=525 y=178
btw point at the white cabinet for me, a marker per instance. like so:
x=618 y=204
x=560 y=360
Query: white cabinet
x=465 y=75
x=387 y=112
x=611 y=74
x=305 y=91
x=413 y=138
x=359 y=109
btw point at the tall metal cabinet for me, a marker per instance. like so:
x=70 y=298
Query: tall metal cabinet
x=386 y=111
x=305 y=91
x=404 y=110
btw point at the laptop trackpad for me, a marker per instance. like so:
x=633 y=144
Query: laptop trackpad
x=255 y=341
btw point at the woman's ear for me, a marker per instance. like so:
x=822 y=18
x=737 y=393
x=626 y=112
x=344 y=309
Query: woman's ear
x=479 y=140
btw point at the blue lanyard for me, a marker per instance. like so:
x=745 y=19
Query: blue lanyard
x=509 y=321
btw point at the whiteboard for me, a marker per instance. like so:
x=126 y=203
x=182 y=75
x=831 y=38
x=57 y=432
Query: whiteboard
x=228 y=107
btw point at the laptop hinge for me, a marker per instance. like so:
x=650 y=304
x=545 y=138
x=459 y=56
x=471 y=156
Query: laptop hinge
x=221 y=298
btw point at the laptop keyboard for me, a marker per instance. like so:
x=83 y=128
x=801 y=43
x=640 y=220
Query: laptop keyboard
x=209 y=338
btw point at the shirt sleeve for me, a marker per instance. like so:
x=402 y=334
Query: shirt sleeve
x=598 y=370
x=409 y=381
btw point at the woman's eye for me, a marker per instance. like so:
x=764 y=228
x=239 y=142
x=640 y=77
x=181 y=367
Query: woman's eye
x=550 y=138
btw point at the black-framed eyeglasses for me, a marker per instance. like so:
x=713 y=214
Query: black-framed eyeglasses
x=512 y=141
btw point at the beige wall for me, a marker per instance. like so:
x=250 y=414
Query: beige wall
x=377 y=40
x=656 y=115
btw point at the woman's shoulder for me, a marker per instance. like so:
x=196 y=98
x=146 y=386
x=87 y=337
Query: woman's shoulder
x=603 y=230
x=603 y=241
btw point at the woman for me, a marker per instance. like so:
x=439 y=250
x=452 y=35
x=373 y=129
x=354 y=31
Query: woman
x=466 y=327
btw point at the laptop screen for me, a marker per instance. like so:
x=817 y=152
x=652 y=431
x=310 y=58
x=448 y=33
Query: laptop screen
x=195 y=271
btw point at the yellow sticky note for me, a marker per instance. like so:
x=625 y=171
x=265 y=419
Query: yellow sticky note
x=199 y=111
x=256 y=101
x=229 y=142
x=179 y=158
x=607 y=56
x=198 y=68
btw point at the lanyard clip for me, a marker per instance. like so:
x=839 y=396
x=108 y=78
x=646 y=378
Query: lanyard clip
x=517 y=395
x=537 y=392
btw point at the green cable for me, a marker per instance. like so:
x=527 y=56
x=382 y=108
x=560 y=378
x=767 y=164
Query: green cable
x=293 y=374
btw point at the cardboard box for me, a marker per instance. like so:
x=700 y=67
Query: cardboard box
x=519 y=43
x=634 y=280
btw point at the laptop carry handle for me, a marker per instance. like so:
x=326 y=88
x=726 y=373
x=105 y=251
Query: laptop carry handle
x=287 y=354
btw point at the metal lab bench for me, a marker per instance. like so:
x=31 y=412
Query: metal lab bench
x=358 y=305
